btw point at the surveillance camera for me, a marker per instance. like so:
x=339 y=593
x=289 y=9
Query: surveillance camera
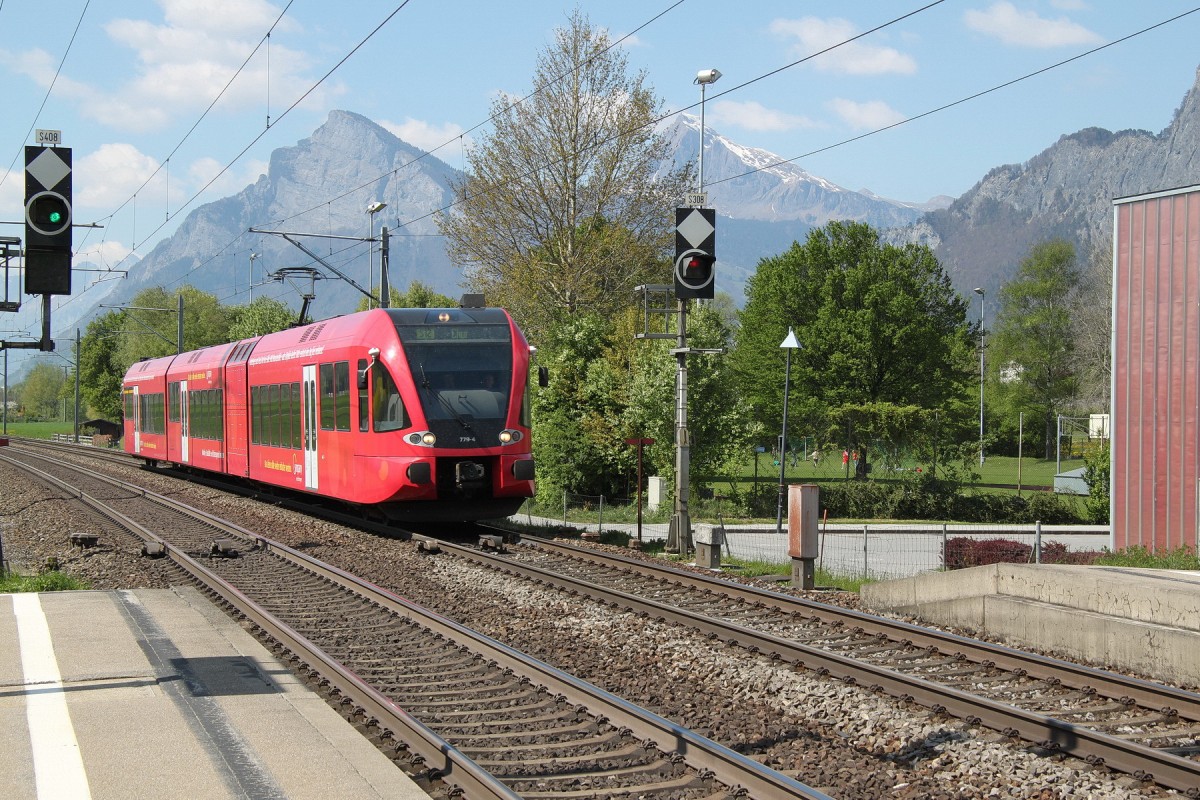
x=707 y=76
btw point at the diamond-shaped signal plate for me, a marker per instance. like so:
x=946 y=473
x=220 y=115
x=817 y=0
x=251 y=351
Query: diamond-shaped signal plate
x=695 y=229
x=48 y=169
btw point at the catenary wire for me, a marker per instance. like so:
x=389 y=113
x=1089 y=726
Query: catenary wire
x=49 y=88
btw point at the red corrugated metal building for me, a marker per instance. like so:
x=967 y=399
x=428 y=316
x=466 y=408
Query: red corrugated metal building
x=1156 y=376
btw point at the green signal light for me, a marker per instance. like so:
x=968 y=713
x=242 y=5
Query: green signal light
x=56 y=217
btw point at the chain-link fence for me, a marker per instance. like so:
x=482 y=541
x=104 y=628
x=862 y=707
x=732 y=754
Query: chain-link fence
x=888 y=551
x=862 y=551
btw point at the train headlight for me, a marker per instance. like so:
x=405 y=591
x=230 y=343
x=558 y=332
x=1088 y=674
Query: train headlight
x=422 y=439
x=509 y=436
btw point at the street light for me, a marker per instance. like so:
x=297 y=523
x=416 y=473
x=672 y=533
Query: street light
x=788 y=344
x=372 y=210
x=253 y=256
x=704 y=77
x=979 y=292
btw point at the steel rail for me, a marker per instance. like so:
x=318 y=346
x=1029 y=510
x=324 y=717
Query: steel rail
x=432 y=750
x=1143 y=762
x=1141 y=692
x=733 y=769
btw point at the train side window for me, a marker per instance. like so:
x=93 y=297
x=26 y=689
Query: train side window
x=219 y=417
x=389 y=411
x=363 y=414
x=173 y=388
x=328 y=389
x=152 y=412
x=195 y=418
x=285 y=415
x=255 y=415
x=273 y=410
x=341 y=374
x=206 y=414
x=296 y=415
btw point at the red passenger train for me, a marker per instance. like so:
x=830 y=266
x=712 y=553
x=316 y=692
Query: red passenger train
x=413 y=414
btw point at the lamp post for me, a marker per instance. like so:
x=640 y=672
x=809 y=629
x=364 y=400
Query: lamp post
x=980 y=292
x=372 y=210
x=788 y=344
x=253 y=257
x=704 y=77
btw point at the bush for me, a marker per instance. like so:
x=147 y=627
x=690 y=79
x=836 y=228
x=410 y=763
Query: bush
x=926 y=497
x=962 y=552
x=1057 y=553
x=1051 y=509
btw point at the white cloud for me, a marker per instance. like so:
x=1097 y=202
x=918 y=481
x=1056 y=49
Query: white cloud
x=429 y=136
x=104 y=253
x=184 y=62
x=12 y=191
x=124 y=169
x=752 y=116
x=1012 y=26
x=232 y=181
x=865 y=116
x=859 y=57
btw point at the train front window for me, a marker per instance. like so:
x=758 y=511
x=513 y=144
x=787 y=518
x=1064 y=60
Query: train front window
x=463 y=371
x=388 y=409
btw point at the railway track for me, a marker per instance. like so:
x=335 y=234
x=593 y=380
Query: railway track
x=1148 y=730
x=474 y=713
x=1143 y=729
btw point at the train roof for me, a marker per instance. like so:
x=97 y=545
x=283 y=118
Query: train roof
x=312 y=336
x=148 y=369
x=202 y=359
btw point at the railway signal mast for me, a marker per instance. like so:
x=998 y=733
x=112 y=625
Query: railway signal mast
x=694 y=279
x=47 y=230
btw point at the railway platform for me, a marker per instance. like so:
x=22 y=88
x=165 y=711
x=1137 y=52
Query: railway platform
x=1139 y=620
x=157 y=693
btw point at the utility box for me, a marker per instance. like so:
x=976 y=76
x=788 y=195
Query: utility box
x=656 y=490
x=803 y=536
x=708 y=539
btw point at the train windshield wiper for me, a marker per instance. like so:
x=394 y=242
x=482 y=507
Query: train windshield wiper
x=441 y=399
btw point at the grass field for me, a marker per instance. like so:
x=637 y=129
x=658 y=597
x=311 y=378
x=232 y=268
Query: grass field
x=39 y=430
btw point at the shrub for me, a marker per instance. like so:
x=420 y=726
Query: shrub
x=962 y=552
x=1057 y=553
x=1051 y=509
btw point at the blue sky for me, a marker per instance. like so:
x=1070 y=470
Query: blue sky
x=138 y=77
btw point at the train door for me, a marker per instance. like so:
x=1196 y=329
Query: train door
x=309 y=414
x=137 y=420
x=183 y=421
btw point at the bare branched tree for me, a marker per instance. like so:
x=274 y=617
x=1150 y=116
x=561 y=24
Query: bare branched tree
x=561 y=209
x=1091 y=325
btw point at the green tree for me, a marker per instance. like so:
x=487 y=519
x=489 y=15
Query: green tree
x=606 y=387
x=153 y=324
x=1096 y=475
x=418 y=296
x=261 y=317
x=41 y=389
x=882 y=333
x=100 y=370
x=561 y=211
x=1033 y=347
